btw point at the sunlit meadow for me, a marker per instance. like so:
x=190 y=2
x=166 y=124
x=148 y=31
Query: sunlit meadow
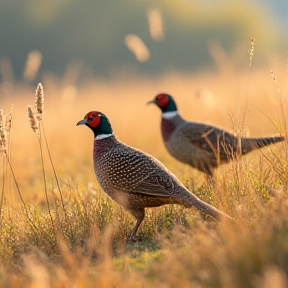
x=75 y=236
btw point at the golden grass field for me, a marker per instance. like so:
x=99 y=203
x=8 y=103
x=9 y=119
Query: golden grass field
x=86 y=247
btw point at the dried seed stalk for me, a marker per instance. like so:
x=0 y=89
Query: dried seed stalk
x=34 y=123
x=39 y=101
x=155 y=22
x=3 y=136
x=251 y=52
x=8 y=121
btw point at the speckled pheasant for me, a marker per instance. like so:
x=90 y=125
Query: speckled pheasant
x=202 y=146
x=134 y=179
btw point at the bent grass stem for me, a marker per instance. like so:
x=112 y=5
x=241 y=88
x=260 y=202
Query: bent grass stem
x=44 y=179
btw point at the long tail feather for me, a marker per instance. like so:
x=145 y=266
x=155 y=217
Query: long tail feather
x=190 y=200
x=205 y=208
x=249 y=144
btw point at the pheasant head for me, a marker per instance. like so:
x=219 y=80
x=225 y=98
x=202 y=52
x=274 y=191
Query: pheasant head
x=98 y=123
x=165 y=102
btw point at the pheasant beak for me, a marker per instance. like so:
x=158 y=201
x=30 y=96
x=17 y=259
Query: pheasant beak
x=82 y=122
x=150 y=102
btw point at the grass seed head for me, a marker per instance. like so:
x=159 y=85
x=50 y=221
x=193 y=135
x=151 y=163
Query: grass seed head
x=3 y=137
x=34 y=123
x=39 y=101
x=135 y=44
x=251 y=52
x=1 y=120
x=33 y=64
x=155 y=24
x=8 y=120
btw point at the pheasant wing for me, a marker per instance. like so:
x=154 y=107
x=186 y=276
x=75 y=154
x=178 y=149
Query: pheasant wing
x=158 y=183
x=210 y=139
x=137 y=172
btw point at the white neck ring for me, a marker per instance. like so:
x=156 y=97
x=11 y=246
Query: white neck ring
x=103 y=136
x=169 y=115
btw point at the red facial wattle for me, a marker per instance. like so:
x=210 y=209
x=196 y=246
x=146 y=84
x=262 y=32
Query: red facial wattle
x=93 y=119
x=162 y=100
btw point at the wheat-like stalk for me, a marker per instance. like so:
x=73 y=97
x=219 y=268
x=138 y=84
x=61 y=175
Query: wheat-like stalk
x=251 y=52
x=39 y=101
x=5 y=138
x=3 y=134
x=136 y=45
x=3 y=150
x=5 y=131
x=155 y=22
x=39 y=105
x=8 y=121
x=34 y=122
x=33 y=64
x=35 y=118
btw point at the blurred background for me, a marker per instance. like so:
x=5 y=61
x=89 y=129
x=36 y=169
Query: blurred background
x=125 y=37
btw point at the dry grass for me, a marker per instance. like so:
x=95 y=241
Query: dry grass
x=179 y=249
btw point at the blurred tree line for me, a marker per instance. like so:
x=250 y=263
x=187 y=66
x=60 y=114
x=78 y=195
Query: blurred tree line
x=93 y=32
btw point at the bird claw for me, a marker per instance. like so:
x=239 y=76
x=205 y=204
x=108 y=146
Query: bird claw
x=134 y=240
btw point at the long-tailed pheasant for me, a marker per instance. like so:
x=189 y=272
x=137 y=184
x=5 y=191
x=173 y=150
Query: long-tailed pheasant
x=202 y=146
x=134 y=179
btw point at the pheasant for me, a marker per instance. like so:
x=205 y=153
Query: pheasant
x=134 y=179
x=202 y=146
